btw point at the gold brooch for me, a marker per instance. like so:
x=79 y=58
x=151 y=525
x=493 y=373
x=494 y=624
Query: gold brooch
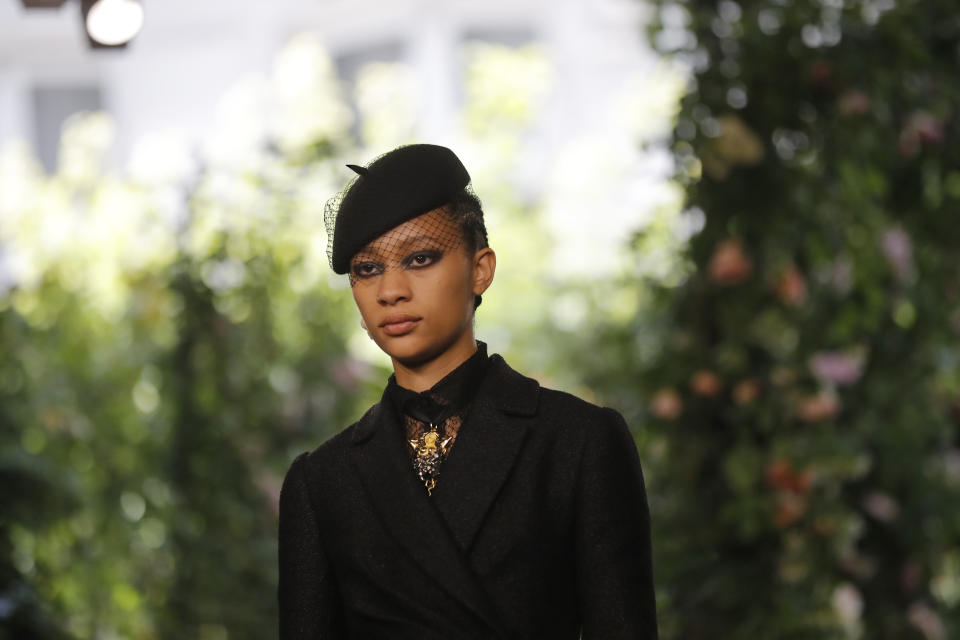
x=430 y=450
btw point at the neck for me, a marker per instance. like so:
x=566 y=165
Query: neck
x=423 y=376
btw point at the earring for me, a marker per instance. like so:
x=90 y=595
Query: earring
x=363 y=324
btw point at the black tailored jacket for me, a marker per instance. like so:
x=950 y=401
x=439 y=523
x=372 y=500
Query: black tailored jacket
x=537 y=528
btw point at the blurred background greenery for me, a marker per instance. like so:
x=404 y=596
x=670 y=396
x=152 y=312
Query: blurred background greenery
x=780 y=329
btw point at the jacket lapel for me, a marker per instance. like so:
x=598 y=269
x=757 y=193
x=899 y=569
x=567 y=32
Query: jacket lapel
x=486 y=450
x=403 y=505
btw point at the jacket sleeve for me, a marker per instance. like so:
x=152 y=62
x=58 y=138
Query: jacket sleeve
x=307 y=593
x=614 y=569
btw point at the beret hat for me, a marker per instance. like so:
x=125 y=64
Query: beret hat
x=399 y=185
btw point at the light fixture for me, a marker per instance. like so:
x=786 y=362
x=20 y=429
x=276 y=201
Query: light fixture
x=113 y=23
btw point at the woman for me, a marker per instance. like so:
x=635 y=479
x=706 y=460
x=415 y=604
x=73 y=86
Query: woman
x=469 y=502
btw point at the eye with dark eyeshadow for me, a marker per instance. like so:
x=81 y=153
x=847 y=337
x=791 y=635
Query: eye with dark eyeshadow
x=366 y=269
x=421 y=259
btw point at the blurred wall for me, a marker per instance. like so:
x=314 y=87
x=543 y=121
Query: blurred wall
x=171 y=78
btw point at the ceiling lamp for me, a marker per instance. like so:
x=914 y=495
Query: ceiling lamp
x=113 y=23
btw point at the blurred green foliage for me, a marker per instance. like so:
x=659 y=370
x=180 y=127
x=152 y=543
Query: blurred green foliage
x=798 y=384
x=786 y=349
x=172 y=337
x=151 y=400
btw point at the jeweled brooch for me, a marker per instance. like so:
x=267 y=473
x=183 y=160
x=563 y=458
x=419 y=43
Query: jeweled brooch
x=430 y=451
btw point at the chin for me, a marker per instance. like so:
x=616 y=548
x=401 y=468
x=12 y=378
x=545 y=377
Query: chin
x=407 y=349
x=412 y=350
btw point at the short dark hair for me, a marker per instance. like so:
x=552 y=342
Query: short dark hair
x=467 y=211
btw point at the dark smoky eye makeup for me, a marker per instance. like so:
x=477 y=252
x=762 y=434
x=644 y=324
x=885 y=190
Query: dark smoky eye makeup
x=418 y=259
x=422 y=258
x=366 y=268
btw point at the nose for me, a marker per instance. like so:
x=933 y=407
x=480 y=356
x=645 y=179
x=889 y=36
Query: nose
x=392 y=287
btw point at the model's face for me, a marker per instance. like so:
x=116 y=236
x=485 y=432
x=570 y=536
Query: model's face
x=415 y=285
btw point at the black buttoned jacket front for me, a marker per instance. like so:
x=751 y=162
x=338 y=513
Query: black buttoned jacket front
x=538 y=527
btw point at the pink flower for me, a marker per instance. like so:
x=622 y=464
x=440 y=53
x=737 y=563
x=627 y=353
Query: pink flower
x=921 y=127
x=853 y=103
x=746 y=391
x=881 y=506
x=822 y=406
x=898 y=249
x=837 y=367
x=705 y=383
x=848 y=603
x=792 y=287
x=781 y=475
x=927 y=621
x=666 y=404
x=790 y=508
x=729 y=265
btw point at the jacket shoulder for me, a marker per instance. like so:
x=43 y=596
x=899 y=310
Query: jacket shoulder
x=518 y=392
x=573 y=419
x=333 y=450
x=562 y=403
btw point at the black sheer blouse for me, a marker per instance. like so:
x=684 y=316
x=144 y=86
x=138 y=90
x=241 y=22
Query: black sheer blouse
x=432 y=419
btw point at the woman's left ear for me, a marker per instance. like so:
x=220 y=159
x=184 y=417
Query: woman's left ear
x=484 y=266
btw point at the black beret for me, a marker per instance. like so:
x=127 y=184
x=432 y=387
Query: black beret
x=399 y=185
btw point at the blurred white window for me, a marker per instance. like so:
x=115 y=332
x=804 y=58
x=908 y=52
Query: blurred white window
x=52 y=105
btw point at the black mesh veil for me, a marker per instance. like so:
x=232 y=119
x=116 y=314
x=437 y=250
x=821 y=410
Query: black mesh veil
x=415 y=243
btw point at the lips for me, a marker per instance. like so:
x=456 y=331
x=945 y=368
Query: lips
x=399 y=324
